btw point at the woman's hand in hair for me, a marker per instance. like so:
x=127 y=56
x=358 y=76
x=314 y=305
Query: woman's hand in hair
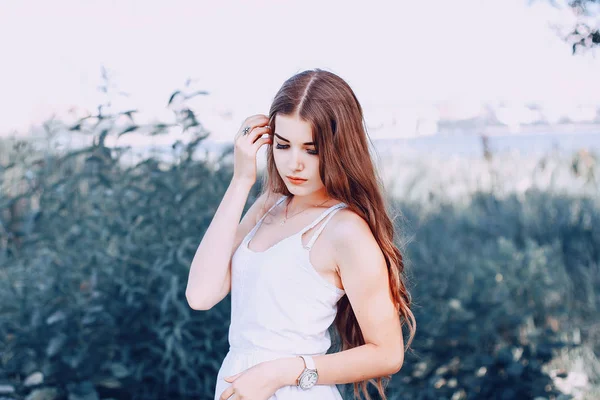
x=246 y=146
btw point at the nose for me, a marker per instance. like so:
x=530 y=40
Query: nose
x=296 y=163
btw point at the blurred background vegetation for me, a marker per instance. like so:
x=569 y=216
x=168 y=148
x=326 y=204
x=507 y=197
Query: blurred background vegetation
x=586 y=33
x=95 y=249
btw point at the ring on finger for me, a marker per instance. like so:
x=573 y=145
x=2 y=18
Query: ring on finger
x=246 y=130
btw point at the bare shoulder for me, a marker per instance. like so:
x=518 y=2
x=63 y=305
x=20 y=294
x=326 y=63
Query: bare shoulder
x=260 y=206
x=353 y=240
x=348 y=227
x=263 y=203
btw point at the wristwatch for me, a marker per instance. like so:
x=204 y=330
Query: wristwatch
x=308 y=377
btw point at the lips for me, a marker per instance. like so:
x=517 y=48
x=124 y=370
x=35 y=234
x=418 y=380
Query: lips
x=296 y=180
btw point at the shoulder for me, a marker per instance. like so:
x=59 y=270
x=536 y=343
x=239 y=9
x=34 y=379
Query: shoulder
x=349 y=226
x=264 y=203
x=352 y=239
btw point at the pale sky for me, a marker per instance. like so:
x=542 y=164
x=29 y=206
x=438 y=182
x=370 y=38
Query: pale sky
x=400 y=57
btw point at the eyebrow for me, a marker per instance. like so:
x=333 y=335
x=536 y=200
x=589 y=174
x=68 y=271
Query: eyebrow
x=285 y=140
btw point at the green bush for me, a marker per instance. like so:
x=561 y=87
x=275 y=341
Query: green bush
x=95 y=266
x=95 y=253
x=498 y=285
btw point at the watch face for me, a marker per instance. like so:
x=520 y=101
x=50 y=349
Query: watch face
x=308 y=380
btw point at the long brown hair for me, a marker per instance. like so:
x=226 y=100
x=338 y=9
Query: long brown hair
x=327 y=102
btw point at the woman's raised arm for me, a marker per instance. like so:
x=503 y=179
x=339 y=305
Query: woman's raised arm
x=209 y=279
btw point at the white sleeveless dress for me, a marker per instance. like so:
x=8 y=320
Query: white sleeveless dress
x=280 y=307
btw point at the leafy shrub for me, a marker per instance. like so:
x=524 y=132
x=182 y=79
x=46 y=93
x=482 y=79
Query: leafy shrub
x=95 y=253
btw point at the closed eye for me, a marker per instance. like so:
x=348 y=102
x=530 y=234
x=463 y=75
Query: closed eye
x=283 y=147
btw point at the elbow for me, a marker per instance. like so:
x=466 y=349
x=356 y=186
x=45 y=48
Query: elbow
x=395 y=363
x=196 y=304
x=397 y=366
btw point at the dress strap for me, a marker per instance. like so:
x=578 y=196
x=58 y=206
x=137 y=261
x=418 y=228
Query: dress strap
x=253 y=231
x=329 y=213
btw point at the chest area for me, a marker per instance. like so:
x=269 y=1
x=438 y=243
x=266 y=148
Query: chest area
x=290 y=240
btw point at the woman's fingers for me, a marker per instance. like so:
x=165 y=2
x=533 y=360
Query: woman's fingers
x=252 y=122
x=260 y=141
x=257 y=119
x=227 y=393
x=246 y=146
x=256 y=133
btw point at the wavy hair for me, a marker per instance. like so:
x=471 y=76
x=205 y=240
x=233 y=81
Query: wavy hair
x=329 y=105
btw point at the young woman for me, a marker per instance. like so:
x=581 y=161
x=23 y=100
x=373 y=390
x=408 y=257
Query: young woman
x=315 y=249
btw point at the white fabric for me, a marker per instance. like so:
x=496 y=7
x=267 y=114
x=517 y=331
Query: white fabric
x=280 y=307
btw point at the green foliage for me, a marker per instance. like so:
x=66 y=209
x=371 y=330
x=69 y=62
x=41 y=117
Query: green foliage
x=500 y=284
x=94 y=262
x=583 y=35
x=95 y=253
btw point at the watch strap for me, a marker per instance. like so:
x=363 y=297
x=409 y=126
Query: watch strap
x=309 y=362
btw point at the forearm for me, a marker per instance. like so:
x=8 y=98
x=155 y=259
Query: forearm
x=211 y=260
x=354 y=365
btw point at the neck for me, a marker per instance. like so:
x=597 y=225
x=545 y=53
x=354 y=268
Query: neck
x=298 y=202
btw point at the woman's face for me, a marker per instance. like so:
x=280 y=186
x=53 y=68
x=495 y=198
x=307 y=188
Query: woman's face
x=295 y=155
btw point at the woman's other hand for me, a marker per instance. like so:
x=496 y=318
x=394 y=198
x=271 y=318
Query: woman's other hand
x=259 y=382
